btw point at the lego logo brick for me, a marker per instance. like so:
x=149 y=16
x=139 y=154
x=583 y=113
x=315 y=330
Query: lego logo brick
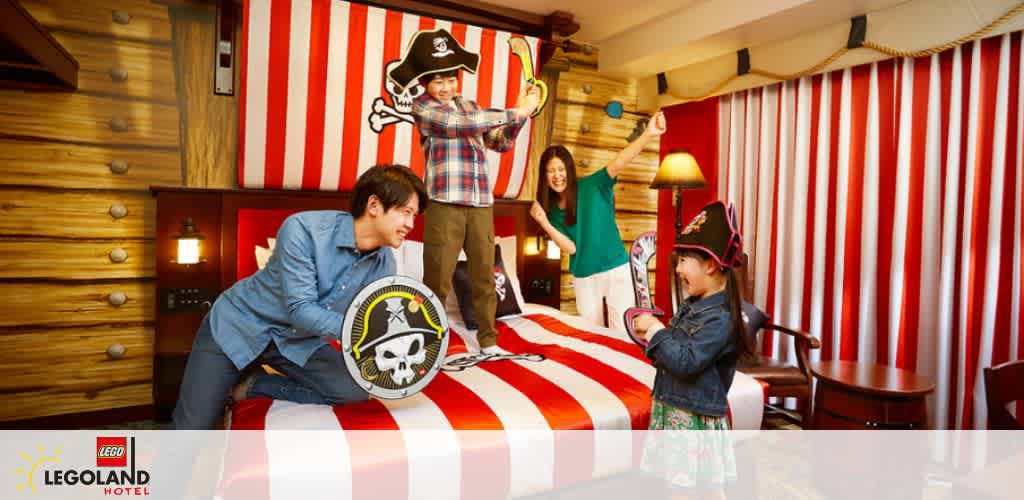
x=111 y=452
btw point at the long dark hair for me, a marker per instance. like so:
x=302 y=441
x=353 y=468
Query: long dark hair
x=546 y=196
x=738 y=337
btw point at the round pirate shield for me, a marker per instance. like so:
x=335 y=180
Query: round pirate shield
x=394 y=337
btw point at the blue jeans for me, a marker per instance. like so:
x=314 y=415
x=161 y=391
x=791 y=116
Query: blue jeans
x=210 y=375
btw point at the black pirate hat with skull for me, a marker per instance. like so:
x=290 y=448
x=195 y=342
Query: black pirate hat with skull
x=434 y=51
x=392 y=316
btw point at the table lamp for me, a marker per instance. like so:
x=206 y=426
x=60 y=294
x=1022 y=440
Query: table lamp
x=679 y=170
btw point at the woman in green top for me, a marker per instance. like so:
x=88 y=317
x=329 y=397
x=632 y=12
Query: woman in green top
x=579 y=216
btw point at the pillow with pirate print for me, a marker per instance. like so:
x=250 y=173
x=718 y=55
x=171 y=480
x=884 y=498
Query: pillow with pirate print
x=507 y=300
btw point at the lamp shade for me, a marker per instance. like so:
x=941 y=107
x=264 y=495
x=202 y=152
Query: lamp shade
x=679 y=169
x=188 y=244
x=188 y=251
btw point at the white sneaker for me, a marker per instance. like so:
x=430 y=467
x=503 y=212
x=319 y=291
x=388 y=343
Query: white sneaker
x=495 y=351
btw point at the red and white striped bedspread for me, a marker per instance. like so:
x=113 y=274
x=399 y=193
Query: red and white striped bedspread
x=592 y=379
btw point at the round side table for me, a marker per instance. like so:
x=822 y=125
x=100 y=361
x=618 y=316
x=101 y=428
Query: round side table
x=851 y=395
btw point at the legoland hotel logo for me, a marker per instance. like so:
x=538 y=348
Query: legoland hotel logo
x=115 y=473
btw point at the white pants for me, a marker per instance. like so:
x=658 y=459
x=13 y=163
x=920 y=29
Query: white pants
x=614 y=285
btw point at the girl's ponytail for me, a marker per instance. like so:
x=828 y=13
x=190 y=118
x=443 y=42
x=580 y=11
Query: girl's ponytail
x=744 y=347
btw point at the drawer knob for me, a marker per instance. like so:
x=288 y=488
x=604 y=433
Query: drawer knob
x=116 y=351
x=118 y=255
x=117 y=298
x=119 y=166
x=119 y=75
x=118 y=211
x=587 y=88
x=118 y=124
x=122 y=17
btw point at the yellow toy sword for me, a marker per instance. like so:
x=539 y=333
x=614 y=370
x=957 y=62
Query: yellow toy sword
x=521 y=49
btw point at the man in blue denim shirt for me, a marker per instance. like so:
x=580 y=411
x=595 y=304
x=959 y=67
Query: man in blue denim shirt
x=282 y=315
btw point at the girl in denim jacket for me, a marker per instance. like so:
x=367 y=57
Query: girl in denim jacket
x=695 y=356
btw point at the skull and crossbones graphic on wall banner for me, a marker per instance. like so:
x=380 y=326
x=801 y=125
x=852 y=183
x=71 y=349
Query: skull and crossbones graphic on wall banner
x=400 y=107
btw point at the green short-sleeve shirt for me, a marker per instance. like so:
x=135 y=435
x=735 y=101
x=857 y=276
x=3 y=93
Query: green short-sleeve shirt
x=598 y=242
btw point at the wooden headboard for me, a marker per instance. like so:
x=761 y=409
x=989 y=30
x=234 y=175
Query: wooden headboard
x=184 y=291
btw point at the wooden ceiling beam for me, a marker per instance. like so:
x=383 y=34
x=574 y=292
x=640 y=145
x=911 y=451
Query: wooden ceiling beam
x=32 y=58
x=466 y=11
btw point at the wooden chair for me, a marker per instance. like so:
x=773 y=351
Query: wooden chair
x=1004 y=384
x=783 y=380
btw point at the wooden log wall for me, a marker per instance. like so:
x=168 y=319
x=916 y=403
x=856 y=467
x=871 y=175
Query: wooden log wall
x=75 y=172
x=77 y=247
x=594 y=139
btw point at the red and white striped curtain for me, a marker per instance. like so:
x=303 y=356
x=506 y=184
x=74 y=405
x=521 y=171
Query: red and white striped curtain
x=316 y=110
x=881 y=206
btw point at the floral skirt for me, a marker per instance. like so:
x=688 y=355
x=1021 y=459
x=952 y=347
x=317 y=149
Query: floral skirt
x=688 y=450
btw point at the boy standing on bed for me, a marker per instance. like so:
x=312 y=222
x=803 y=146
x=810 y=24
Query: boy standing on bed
x=455 y=134
x=282 y=315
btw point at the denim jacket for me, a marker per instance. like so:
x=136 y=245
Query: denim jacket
x=695 y=357
x=300 y=297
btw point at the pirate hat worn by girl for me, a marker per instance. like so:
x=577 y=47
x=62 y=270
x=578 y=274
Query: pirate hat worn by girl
x=434 y=51
x=713 y=231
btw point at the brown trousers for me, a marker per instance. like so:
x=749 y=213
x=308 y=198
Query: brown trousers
x=448 y=228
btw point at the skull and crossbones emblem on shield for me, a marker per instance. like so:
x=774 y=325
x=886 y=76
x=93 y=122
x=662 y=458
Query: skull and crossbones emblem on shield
x=397 y=357
x=394 y=337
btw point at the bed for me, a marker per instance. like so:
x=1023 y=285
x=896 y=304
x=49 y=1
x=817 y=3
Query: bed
x=489 y=430
x=582 y=377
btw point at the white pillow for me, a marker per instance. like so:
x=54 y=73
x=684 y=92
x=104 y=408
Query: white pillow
x=409 y=259
x=263 y=254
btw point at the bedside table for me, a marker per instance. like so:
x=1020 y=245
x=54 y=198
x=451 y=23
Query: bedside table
x=852 y=395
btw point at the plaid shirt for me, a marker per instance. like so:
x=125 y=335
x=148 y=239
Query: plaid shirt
x=454 y=140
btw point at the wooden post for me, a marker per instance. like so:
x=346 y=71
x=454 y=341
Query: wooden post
x=209 y=122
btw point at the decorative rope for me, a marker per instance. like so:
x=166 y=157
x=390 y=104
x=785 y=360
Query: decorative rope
x=959 y=41
x=981 y=33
